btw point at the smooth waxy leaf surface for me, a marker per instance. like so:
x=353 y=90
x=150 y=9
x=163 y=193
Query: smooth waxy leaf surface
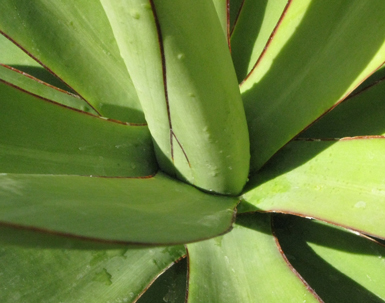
x=157 y=210
x=320 y=52
x=360 y=115
x=40 y=137
x=244 y=265
x=221 y=6
x=187 y=87
x=77 y=44
x=39 y=268
x=338 y=265
x=42 y=89
x=254 y=26
x=341 y=182
x=13 y=56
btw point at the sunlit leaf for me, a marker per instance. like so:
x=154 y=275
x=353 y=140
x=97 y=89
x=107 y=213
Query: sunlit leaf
x=79 y=47
x=244 y=265
x=115 y=209
x=41 y=137
x=320 y=52
x=341 y=182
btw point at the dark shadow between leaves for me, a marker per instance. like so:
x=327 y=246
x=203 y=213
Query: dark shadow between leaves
x=241 y=51
x=169 y=286
x=30 y=239
x=44 y=75
x=329 y=283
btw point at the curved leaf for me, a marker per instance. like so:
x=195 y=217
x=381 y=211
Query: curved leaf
x=360 y=115
x=13 y=56
x=42 y=137
x=42 y=89
x=222 y=6
x=320 y=52
x=187 y=87
x=340 y=266
x=157 y=210
x=251 y=33
x=77 y=44
x=341 y=182
x=247 y=265
x=39 y=268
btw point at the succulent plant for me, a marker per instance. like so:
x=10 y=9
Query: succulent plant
x=192 y=151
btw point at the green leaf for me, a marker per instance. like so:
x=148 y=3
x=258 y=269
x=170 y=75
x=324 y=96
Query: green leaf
x=12 y=55
x=255 y=24
x=187 y=88
x=377 y=76
x=42 y=89
x=170 y=287
x=47 y=268
x=360 y=115
x=157 y=210
x=77 y=44
x=340 y=266
x=42 y=137
x=340 y=182
x=235 y=9
x=244 y=265
x=221 y=6
x=320 y=52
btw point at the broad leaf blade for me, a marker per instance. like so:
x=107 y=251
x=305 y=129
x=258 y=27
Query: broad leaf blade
x=244 y=265
x=157 y=210
x=42 y=89
x=43 y=137
x=13 y=56
x=338 y=182
x=45 y=268
x=320 y=52
x=251 y=33
x=360 y=115
x=221 y=6
x=74 y=40
x=340 y=266
x=181 y=66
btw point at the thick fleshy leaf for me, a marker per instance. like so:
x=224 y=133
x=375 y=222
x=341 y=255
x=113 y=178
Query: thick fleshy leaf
x=42 y=137
x=73 y=38
x=245 y=266
x=319 y=53
x=39 y=268
x=360 y=115
x=13 y=56
x=42 y=89
x=180 y=64
x=157 y=210
x=341 y=182
x=170 y=287
x=221 y=6
x=254 y=26
x=338 y=265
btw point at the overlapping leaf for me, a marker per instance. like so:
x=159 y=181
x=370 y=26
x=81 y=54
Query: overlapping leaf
x=46 y=268
x=320 y=52
x=79 y=47
x=336 y=181
x=244 y=265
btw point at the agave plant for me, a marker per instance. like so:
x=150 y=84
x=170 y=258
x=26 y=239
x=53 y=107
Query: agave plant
x=192 y=151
